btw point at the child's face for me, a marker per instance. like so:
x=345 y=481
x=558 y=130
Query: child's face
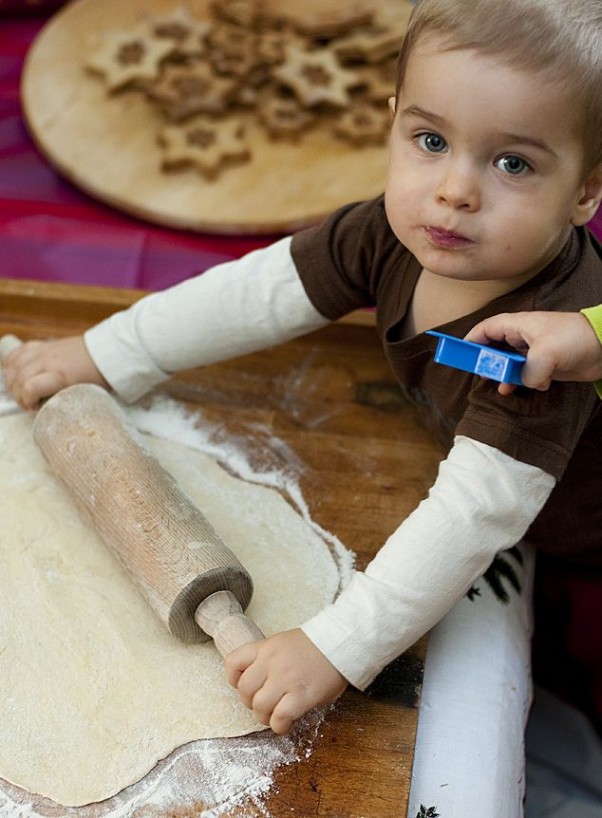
x=485 y=173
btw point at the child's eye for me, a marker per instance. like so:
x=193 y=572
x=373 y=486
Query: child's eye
x=431 y=142
x=513 y=165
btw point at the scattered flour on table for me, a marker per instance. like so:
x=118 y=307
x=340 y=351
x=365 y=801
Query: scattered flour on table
x=170 y=420
x=211 y=777
x=203 y=779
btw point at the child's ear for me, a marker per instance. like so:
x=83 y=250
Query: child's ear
x=590 y=197
x=392 y=106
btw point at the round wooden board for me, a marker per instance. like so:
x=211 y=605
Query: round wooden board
x=107 y=146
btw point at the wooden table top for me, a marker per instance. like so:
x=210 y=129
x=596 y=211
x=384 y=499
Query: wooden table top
x=363 y=461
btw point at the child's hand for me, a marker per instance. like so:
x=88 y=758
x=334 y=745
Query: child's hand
x=559 y=345
x=282 y=678
x=38 y=369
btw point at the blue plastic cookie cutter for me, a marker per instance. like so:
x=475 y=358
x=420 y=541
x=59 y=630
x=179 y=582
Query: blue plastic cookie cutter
x=495 y=364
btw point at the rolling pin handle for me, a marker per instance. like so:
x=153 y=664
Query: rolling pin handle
x=221 y=616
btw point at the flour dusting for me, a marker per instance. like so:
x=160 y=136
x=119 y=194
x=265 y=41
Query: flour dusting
x=210 y=778
x=202 y=779
x=278 y=468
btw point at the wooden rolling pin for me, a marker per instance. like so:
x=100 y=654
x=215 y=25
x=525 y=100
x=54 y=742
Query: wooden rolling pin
x=189 y=577
x=193 y=582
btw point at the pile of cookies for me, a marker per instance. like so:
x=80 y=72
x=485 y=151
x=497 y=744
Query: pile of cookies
x=205 y=77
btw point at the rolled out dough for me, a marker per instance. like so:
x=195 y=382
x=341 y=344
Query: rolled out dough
x=93 y=690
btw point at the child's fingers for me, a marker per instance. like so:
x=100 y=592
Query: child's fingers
x=22 y=364
x=237 y=661
x=265 y=700
x=491 y=329
x=244 y=673
x=8 y=343
x=278 y=708
x=538 y=370
x=506 y=328
x=506 y=389
x=28 y=391
x=288 y=709
x=477 y=335
x=16 y=356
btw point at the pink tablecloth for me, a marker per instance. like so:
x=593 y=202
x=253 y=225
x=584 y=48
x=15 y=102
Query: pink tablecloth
x=51 y=231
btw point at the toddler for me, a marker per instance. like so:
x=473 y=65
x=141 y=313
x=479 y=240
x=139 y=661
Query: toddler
x=495 y=168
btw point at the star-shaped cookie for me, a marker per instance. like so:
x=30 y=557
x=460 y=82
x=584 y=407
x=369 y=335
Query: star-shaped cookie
x=126 y=57
x=188 y=89
x=363 y=125
x=316 y=77
x=187 y=34
x=204 y=143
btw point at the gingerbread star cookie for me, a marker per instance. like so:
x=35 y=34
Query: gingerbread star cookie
x=187 y=35
x=316 y=77
x=284 y=117
x=233 y=51
x=125 y=57
x=363 y=125
x=205 y=144
x=284 y=67
x=185 y=90
x=272 y=46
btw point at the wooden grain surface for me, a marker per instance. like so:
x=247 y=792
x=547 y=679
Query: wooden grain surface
x=363 y=463
x=107 y=145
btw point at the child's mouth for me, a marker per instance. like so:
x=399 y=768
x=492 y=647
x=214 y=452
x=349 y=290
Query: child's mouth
x=446 y=238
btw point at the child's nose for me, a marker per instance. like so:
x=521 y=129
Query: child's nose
x=459 y=187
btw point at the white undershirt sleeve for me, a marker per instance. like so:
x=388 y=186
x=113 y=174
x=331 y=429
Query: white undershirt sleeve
x=232 y=309
x=482 y=502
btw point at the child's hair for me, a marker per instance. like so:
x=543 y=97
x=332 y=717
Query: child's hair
x=562 y=37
